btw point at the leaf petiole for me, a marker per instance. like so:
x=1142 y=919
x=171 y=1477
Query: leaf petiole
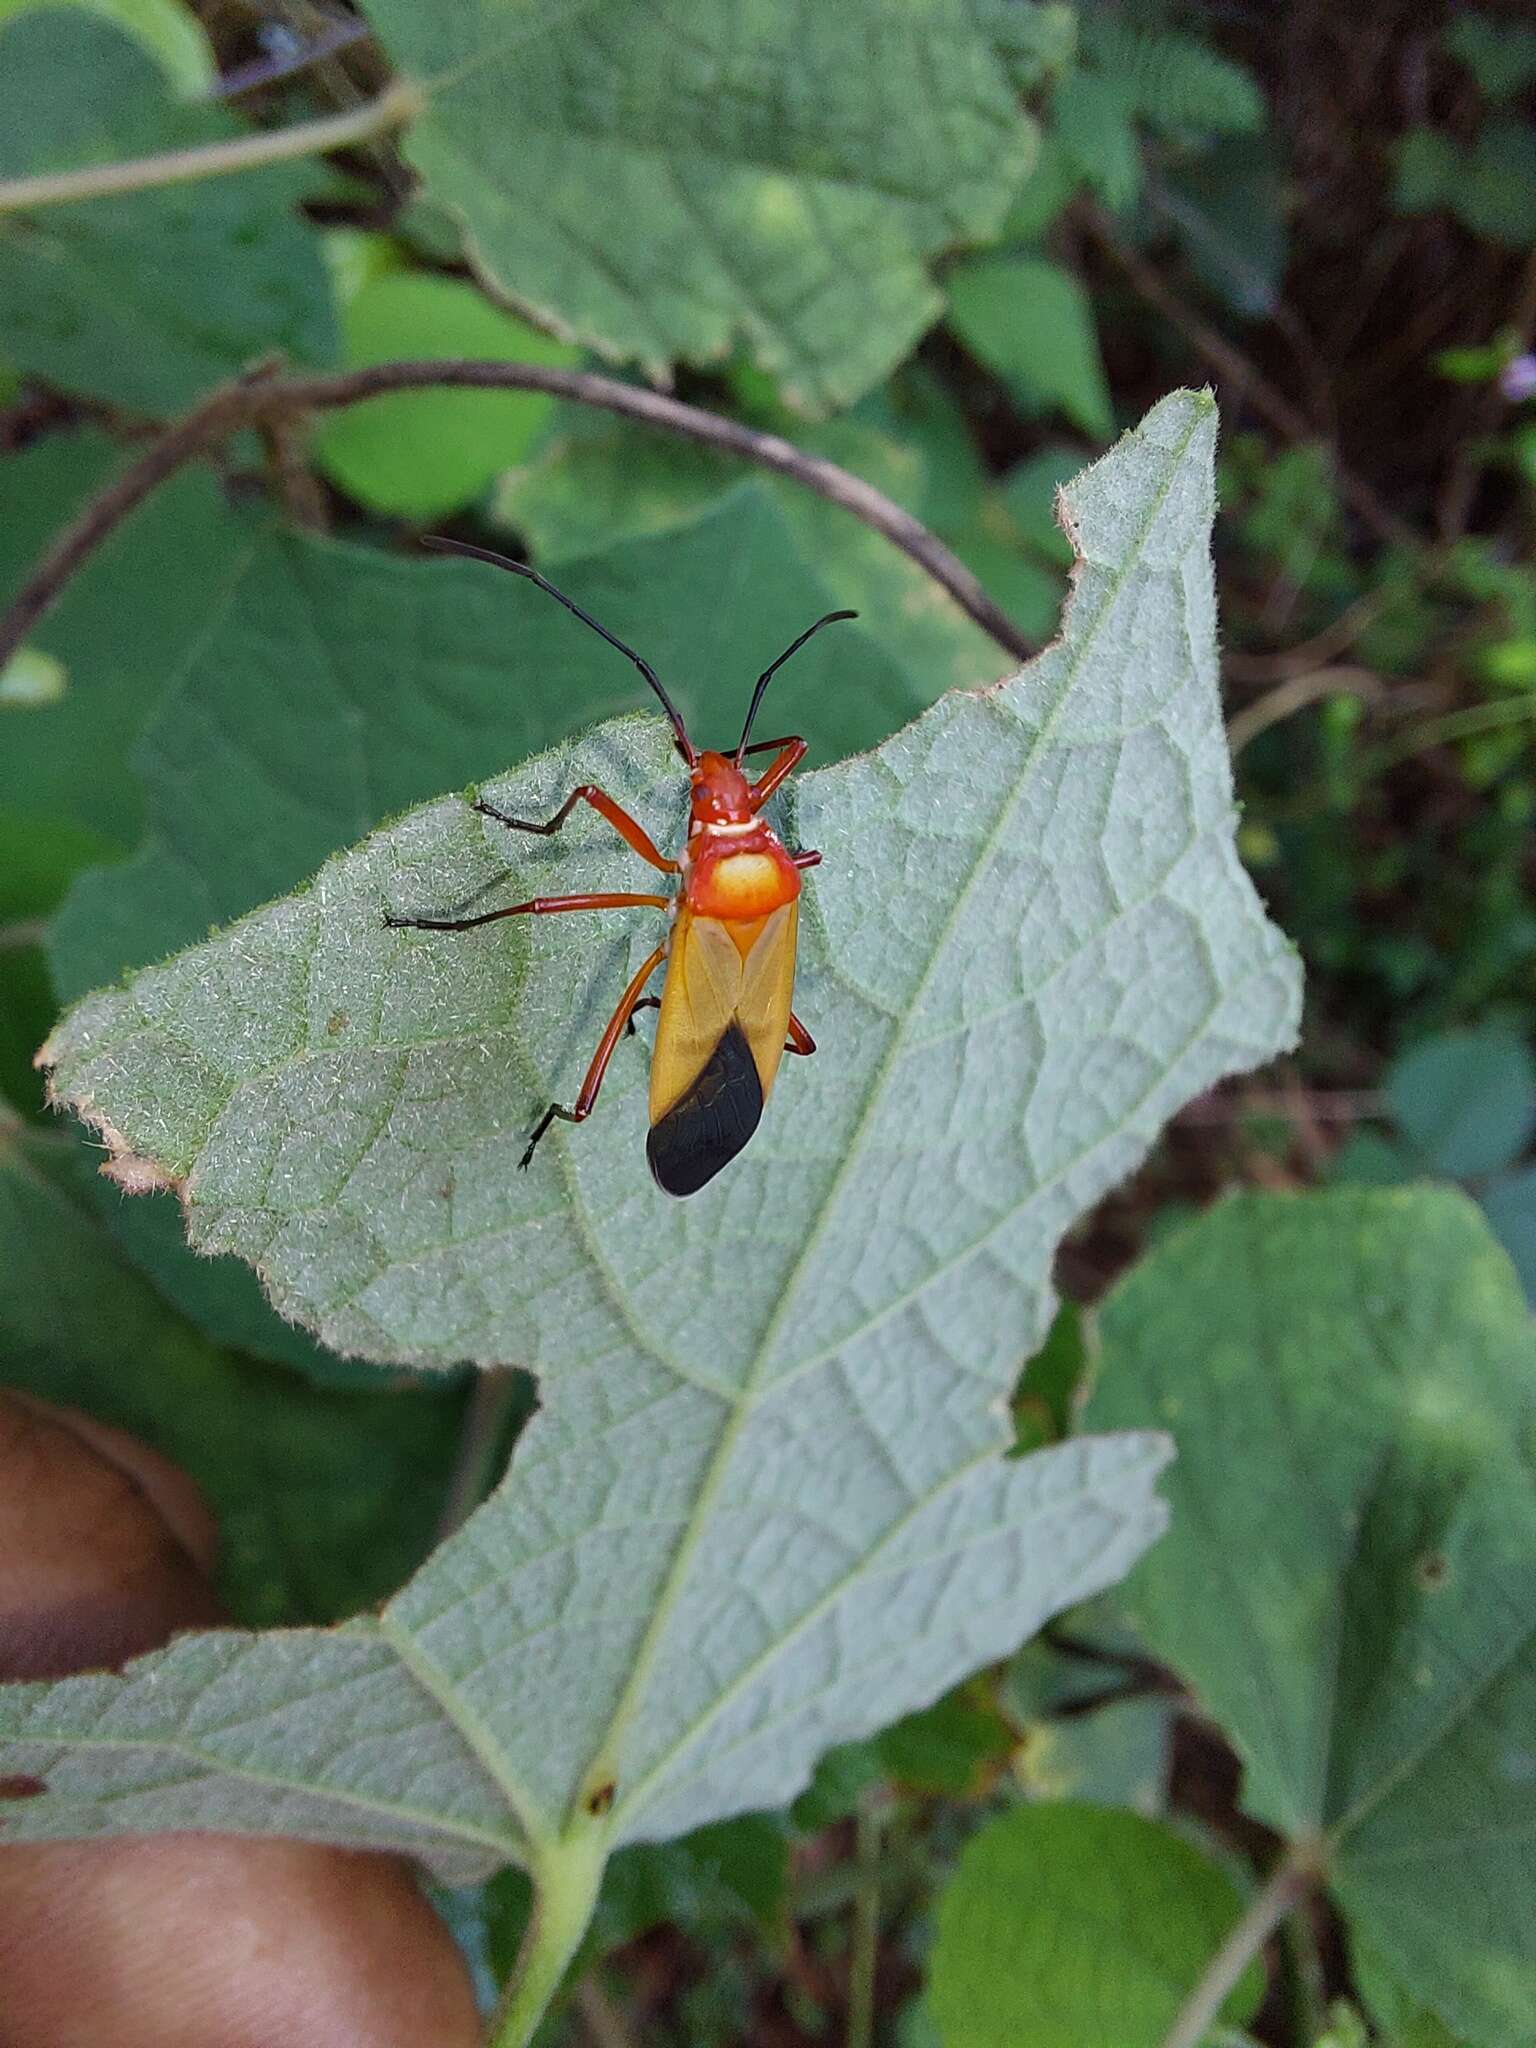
x=567 y=1876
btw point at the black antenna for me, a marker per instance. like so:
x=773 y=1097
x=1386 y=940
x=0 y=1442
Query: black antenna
x=458 y=547
x=772 y=669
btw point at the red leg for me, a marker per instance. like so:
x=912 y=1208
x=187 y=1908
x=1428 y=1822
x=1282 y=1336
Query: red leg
x=800 y=1040
x=582 y=1107
x=633 y=834
x=805 y=860
x=792 y=753
x=536 y=906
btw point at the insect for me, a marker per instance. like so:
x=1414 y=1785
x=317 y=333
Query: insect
x=725 y=1019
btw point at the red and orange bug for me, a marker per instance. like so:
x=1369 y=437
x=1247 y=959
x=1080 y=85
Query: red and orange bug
x=725 y=1018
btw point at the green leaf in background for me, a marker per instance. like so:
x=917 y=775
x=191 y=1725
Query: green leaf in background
x=765 y=1505
x=1117 y=1755
x=1369 y=1160
x=148 y=298
x=1173 y=82
x=657 y=181
x=597 y=482
x=1509 y=1203
x=1501 y=55
x=1401 y=2021
x=167 y=29
x=67 y=795
x=120 y=632
x=325 y=1502
x=1030 y=321
x=1490 y=185
x=1047 y=190
x=1074 y=1926
x=951 y=1747
x=220 y=1297
x=1351 y=1377
x=1029 y=491
x=420 y=454
x=1466 y=1101
x=1227 y=204
x=731 y=1875
x=1091 y=122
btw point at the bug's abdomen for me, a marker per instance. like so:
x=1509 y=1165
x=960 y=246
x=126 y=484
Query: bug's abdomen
x=708 y=1125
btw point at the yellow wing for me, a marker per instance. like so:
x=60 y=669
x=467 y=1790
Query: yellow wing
x=767 y=989
x=709 y=983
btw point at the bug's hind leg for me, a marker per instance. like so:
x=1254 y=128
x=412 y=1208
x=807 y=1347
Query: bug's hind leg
x=582 y=1107
x=799 y=1040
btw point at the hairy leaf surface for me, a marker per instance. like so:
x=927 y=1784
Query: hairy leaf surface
x=765 y=1506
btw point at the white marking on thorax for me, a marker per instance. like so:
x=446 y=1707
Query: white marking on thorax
x=733 y=831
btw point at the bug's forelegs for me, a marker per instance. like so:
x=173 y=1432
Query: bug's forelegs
x=629 y=829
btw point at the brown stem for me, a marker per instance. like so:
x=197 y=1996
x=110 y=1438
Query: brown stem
x=1294 y=694
x=249 y=400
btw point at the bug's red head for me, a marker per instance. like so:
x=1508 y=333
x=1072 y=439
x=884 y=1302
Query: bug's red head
x=722 y=794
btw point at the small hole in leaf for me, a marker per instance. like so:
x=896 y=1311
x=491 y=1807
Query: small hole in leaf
x=1431 y=1570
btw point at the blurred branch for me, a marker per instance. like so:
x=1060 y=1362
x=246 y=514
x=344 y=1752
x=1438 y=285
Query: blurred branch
x=1229 y=363
x=1294 y=1877
x=392 y=109
x=261 y=396
x=1294 y=694
x=1324 y=646
x=1455 y=725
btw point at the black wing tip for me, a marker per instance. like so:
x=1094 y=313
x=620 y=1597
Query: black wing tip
x=705 y=1129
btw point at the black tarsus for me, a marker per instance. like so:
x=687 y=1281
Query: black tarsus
x=554 y=1110
x=645 y=1003
x=440 y=545
x=773 y=668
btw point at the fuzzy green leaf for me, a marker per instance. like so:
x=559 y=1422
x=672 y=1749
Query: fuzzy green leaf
x=146 y=298
x=1351 y=1378
x=658 y=180
x=765 y=1505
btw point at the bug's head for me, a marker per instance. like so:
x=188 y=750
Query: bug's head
x=722 y=794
